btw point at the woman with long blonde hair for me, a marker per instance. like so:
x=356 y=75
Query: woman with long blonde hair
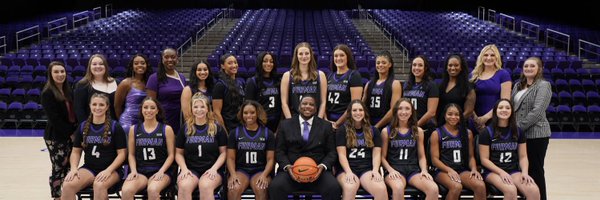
x=491 y=84
x=200 y=153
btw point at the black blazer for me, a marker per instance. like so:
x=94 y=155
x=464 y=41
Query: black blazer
x=320 y=145
x=58 y=126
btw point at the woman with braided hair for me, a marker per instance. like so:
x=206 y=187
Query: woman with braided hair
x=103 y=141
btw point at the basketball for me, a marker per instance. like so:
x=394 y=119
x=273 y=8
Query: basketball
x=305 y=169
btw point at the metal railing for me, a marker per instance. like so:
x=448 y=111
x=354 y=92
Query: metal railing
x=108 y=10
x=97 y=13
x=180 y=51
x=557 y=39
x=394 y=42
x=3 y=44
x=36 y=32
x=481 y=13
x=507 y=21
x=491 y=15
x=527 y=28
x=77 y=20
x=588 y=48
x=57 y=24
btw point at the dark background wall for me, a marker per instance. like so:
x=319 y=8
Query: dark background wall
x=574 y=12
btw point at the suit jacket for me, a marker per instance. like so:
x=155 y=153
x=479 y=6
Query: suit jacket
x=530 y=109
x=291 y=146
x=58 y=126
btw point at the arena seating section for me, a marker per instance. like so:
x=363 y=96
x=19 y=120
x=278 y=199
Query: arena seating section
x=436 y=35
x=575 y=97
x=279 y=31
x=118 y=37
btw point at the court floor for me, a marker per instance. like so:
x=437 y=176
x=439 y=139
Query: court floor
x=572 y=169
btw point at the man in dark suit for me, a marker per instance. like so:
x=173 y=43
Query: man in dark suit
x=305 y=135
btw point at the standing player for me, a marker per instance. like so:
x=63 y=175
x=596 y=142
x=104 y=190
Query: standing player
x=228 y=94
x=264 y=88
x=151 y=152
x=250 y=153
x=423 y=94
x=303 y=79
x=103 y=141
x=404 y=153
x=200 y=153
x=452 y=153
x=359 y=153
x=344 y=84
x=503 y=154
x=382 y=91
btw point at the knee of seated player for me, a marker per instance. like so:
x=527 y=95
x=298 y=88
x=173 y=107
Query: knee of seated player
x=508 y=190
x=455 y=186
x=186 y=186
x=395 y=185
x=154 y=188
x=349 y=186
x=431 y=188
x=207 y=185
x=104 y=185
x=128 y=189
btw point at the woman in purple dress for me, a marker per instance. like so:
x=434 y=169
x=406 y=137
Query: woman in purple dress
x=166 y=85
x=491 y=84
x=132 y=91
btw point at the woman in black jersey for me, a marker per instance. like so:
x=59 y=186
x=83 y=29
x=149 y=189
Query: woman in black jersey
x=201 y=80
x=423 y=94
x=151 y=153
x=344 y=84
x=382 y=91
x=452 y=153
x=201 y=151
x=264 y=88
x=303 y=78
x=359 y=154
x=503 y=153
x=403 y=153
x=456 y=88
x=103 y=141
x=228 y=94
x=250 y=153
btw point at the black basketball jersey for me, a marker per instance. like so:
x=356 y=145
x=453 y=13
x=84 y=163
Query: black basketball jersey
x=402 y=149
x=150 y=148
x=338 y=92
x=419 y=94
x=299 y=89
x=503 y=150
x=207 y=93
x=450 y=148
x=230 y=106
x=251 y=146
x=201 y=150
x=268 y=96
x=379 y=100
x=97 y=155
x=361 y=156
